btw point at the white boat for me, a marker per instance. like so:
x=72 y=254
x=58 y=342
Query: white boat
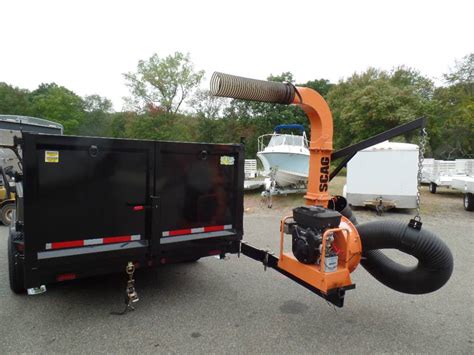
x=285 y=157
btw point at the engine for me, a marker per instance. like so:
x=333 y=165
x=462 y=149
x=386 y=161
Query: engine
x=310 y=223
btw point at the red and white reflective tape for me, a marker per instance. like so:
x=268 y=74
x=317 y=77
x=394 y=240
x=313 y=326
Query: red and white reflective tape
x=196 y=230
x=95 y=241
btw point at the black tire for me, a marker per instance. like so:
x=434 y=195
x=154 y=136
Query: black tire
x=469 y=201
x=15 y=269
x=432 y=187
x=6 y=213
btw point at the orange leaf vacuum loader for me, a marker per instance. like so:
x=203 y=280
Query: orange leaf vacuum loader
x=327 y=242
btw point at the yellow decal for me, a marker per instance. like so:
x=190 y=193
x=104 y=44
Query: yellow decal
x=51 y=156
x=226 y=160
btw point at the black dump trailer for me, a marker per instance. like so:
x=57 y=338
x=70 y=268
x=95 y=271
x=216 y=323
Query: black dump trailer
x=89 y=206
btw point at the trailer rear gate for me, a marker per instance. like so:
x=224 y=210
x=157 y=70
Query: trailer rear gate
x=93 y=204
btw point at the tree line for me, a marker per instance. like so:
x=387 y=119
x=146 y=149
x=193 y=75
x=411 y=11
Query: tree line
x=165 y=103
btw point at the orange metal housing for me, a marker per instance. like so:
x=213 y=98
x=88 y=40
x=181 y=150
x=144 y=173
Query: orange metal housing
x=320 y=147
x=349 y=247
x=346 y=237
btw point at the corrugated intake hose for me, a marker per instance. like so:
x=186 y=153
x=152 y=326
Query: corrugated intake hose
x=435 y=261
x=237 y=87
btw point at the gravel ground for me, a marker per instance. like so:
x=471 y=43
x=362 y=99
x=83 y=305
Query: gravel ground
x=233 y=306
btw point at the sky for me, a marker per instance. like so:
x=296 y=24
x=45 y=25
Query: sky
x=86 y=46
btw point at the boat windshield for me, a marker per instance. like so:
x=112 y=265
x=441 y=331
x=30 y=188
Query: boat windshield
x=285 y=139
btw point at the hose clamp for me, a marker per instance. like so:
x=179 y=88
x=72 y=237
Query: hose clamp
x=409 y=238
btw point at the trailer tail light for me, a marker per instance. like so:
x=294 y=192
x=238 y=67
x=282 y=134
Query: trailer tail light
x=138 y=208
x=20 y=247
x=65 y=277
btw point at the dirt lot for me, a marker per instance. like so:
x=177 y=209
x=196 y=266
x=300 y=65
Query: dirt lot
x=446 y=202
x=234 y=306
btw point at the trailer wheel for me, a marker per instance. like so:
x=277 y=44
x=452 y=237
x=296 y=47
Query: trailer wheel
x=432 y=187
x=469 y=201
x=15 y=269
x=6 y=213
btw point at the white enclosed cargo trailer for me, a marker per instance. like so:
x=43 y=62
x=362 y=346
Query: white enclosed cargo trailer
x=384 y=175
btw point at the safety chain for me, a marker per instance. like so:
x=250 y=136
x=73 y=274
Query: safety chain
x=416 y=221
x=131 y=295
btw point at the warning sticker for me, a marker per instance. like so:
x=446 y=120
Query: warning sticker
x=51 y=156
x=226 y=160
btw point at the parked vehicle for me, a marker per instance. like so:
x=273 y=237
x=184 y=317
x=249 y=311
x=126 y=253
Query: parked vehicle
x=11 y=127
x=29 y=124
x=7 y=195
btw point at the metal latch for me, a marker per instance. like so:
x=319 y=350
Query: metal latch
x=131 y=295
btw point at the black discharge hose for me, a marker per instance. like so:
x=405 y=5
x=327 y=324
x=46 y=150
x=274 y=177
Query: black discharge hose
x=340 y=204
x=435 y=261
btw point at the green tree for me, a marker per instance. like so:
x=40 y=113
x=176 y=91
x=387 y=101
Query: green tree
x=205 y=105
x=162 y=82
x=374 y=101
x=13 y=100
x=58 y=104
x=322 y=86
x=96 y=103
x=463 y=74
x=453 y=133
x=97 y=118
x=162 y=126
x=118 y=123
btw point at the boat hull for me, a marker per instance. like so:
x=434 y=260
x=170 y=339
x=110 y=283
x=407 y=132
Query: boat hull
x=290 y=168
